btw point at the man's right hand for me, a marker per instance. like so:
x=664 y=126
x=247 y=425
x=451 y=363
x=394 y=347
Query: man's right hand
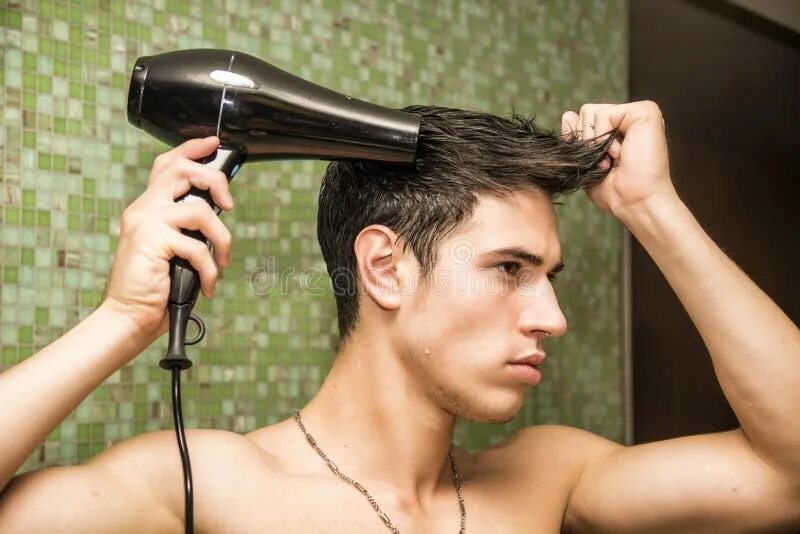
x=150 y=236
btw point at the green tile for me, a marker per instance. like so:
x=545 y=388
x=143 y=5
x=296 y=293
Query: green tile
x=25 y=334
x=9 y=355
x=27 y=256
x=74 y=222
x=28 y=197
x=14 y=19
x=61 y=54
x=73 y=127
x=60 y=11
x=45 y=84
x=59 y=163
x=44 y=161
x=42 y=316
x=43 y=218
x=28 y=217
x=11 y=215
x=88 y=111
x=29 y=101
x=29 y=61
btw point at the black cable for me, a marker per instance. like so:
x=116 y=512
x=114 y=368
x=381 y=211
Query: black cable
x=177 y=417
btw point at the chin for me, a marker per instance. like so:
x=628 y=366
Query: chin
x=496 y=409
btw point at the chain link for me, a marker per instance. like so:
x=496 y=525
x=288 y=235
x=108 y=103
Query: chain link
x=385 y=518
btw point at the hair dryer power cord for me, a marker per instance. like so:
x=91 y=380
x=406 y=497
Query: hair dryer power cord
x=177 y=361
x=177 y=417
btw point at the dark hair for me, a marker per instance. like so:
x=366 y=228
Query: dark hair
x=459 y=155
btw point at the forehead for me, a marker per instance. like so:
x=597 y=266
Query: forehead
x=524 y=219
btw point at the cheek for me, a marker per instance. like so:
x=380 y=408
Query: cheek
x=462 y=318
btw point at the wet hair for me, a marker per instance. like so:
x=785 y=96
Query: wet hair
x=460 y=154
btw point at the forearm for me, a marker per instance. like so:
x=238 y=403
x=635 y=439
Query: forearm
x=754 y=346
x=38 y=393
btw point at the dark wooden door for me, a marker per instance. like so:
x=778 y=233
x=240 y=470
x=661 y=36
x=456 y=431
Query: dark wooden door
x=728 y=84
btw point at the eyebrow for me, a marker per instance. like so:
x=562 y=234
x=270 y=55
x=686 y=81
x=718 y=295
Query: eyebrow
x=525 y=256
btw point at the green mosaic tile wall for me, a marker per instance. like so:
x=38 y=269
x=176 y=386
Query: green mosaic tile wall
x=71 y=163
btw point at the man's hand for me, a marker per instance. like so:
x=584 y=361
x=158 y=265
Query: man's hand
x=150 y=236
x=638 y=156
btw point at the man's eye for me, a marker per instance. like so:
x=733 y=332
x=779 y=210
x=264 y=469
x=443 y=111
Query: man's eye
x=552 y=277
x=510 y=267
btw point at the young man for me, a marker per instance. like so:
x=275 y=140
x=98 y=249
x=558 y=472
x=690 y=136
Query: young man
x=442 y=278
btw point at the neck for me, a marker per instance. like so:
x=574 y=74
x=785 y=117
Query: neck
x=376 y=422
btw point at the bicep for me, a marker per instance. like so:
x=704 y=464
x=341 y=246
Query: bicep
x=703 y=483
x=113 y=492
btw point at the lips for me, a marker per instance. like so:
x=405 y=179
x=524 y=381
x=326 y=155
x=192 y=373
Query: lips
x=525 y=371
x=534 y=359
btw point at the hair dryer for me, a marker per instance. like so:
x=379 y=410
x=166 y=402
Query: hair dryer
x=259 y=112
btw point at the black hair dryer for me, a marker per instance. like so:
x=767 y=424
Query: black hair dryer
x=259 y=112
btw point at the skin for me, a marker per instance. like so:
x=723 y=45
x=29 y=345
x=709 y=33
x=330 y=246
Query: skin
x=423 y=355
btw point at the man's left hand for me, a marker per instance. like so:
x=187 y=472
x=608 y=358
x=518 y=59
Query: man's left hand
x=638 y=156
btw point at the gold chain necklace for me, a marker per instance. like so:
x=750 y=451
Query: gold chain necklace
x=385 y=518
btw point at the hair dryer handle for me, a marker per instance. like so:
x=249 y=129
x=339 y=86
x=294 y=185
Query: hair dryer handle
x=184 y=279
x=185 y=282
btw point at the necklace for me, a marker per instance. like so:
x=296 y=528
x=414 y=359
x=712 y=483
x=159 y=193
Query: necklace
x=385 y=518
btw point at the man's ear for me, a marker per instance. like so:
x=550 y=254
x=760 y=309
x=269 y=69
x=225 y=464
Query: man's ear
x=377 y=259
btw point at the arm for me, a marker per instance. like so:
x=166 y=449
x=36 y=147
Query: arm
x=754 y=346
x=747 y=478
x=38 y=393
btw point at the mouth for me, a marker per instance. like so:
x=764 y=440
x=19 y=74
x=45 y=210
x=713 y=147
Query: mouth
x=525 y=372
x=534 y=359
x=526 y=369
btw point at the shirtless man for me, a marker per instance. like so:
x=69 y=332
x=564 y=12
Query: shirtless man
x=416 y=359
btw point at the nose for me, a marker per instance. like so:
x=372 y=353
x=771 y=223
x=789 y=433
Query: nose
x=542 y=313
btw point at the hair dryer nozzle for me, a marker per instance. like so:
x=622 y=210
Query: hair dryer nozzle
x=261 y=110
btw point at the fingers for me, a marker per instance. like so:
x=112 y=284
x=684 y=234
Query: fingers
x=624 y=115
x=159 y=230
x=174 y=174
x=200 y=216
x=618 y=116
x=183 y=174
x=191 y=149
x=569 y=125
x=196 y=253
x=587 y=120
x=597 y=120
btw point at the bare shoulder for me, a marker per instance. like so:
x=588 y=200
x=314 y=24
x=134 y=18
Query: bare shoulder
x=158 y=452
x=560 y=451
x=533 y=471
x=560 y=447
x=139 y=481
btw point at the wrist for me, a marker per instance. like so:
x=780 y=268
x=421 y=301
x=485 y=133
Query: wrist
x=659 y=207
x=113 y=313
x=660 y=222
